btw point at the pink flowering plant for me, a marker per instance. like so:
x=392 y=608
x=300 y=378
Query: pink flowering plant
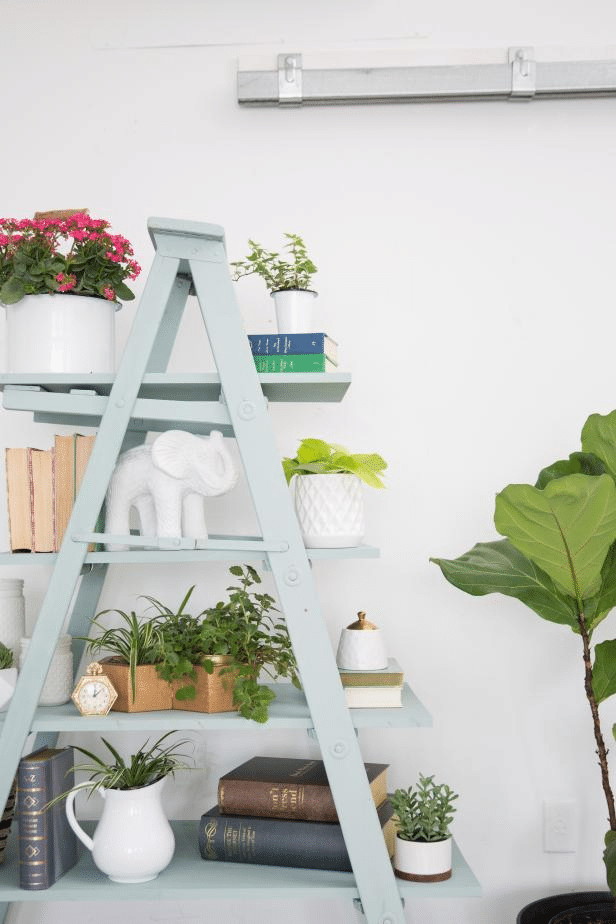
x=77 y=254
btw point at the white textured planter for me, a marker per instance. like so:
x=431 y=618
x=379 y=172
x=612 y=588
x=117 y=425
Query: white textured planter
x=8 y=679
x=330 y=510
x=61 y=333
x=422 y=861
x=295 y=310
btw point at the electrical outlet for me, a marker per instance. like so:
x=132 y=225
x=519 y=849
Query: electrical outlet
x=560 y=827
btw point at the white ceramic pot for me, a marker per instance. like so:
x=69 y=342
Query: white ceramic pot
x=8 y=679
x=61 y=333
x=133 y=841
x=361 y=650
x=12 y=614
x=422 y=861
x=294 y=310
x=330 y=509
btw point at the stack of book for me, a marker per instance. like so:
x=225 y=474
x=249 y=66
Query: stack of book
x=47 y=844
x=279 y=811
x=373 y=689
x=314 y=352
x=41 y=488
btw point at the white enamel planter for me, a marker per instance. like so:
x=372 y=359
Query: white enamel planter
x=294 y=310
x=422 y=861
x=330 y=510
x=133 y=841
x=61 y=333
x=8 y=679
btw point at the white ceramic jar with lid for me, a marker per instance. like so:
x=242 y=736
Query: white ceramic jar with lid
x=361 y=647
x=59 y=681
x=12 y=614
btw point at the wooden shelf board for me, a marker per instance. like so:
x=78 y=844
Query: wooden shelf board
x=288 y=710
x=195 y=386
x=188 y=877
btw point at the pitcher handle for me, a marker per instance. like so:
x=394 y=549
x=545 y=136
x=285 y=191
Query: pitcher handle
x=72 y=820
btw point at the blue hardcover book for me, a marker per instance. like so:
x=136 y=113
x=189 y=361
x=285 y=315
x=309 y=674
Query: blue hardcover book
x=280 y=344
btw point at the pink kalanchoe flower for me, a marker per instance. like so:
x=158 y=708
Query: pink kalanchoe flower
x=109 y=293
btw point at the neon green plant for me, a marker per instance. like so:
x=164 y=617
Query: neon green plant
x=316 y=457
x=559 y=558
x=279 y=272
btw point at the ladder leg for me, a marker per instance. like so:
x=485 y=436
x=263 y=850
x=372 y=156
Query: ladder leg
x=297 y=597
x=84 y=609
x=158 y=293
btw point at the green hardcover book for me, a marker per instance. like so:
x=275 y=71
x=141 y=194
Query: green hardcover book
x=295 y=362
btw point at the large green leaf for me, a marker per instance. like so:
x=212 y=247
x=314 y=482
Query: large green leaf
x=584 y=462
x=498 y=567
x=599 y=437
x=609 y=858
x=566 y=529
x=598 y=606
x=604 y=670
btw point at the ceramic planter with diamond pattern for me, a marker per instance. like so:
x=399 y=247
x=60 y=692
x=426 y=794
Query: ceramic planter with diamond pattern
x=330 y=510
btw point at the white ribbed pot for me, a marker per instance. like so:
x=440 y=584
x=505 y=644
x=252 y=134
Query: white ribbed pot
x=8 y=679
x=61 y=333
x=294 y=310
x=422 y=861
x=330 y=510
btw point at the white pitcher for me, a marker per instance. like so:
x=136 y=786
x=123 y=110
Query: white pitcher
x=133 y=841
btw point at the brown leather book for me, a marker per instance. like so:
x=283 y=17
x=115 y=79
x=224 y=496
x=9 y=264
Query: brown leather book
x=287 y=787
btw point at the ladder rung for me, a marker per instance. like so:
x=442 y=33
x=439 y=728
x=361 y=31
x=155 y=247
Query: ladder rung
x=184 y=542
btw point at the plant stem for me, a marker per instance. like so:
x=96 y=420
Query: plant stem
x=601 y=748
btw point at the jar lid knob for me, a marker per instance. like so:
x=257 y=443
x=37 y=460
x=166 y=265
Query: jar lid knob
x=362 y=622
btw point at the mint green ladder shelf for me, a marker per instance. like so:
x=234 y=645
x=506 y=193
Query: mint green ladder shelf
x=140 y=398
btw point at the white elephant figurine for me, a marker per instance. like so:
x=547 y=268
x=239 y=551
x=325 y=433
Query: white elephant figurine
x=166 y=482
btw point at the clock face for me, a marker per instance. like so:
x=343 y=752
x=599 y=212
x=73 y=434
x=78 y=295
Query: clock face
x=94 y=696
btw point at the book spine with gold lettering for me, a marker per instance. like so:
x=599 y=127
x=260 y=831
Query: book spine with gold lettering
x=47 y=845
x=280 y=841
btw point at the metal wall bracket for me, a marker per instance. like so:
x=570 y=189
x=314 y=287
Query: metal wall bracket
x=519 y=77
x=523 y=73
x=290 y=79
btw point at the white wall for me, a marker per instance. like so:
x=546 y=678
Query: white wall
x=466 y=265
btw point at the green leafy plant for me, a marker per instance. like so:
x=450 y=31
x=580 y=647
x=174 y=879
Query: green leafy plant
x=6 y=657
x=145 y=766
x=136 y=642
x=244 y=628
x=559 y=558
x=75 y=254
x=279 y=272
x=424 y=813
x=316 y=457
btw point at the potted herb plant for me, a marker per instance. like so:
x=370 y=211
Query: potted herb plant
x=136 y=649
x=422 y=816
x=214 y=659
x=327 y=482
x=133 y=840
x=287 y=277
x=8 y=676
x=47 y=261
x=559 y=558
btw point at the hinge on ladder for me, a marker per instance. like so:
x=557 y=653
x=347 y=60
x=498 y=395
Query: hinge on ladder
x=523 y=72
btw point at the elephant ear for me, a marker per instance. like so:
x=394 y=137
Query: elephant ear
x=171 y=452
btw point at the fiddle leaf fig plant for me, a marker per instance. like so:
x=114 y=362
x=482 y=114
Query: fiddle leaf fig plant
x=279 y=272
x=559 y=558
x=316 y=457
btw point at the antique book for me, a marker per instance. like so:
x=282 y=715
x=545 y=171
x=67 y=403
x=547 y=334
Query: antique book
x=390 y=676
x=288 y=787
x=42 y=491
x=71 y=458
x=18 y=495
x=282 y=344
x=47 y=844
x=373 y=697
x=295 y=362
x=282 y=841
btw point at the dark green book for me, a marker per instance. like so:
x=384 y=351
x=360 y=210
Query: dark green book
x=47 y=844
x=295 y=362
x=281 y=841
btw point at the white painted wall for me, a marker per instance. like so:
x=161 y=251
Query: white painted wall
x=466 y=257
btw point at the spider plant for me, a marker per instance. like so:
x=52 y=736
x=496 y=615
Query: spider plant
x=138 y=641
